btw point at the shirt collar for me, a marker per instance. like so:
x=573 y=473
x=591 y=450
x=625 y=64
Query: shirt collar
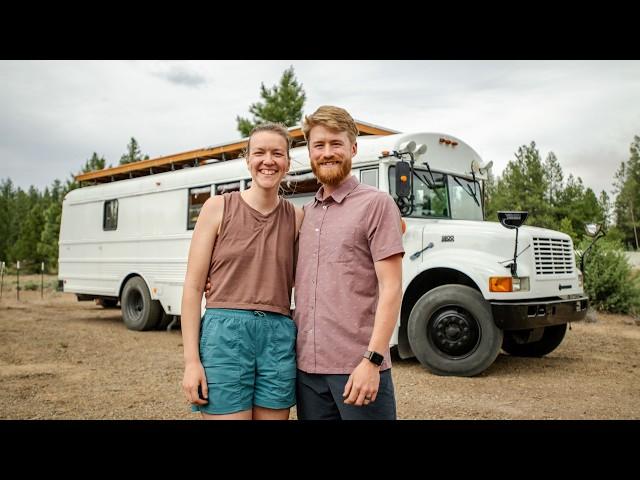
x=341 y=192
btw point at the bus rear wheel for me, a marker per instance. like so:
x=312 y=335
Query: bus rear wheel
x=551 y=338
x=139 y=311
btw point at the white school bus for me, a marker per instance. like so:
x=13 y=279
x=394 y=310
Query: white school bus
x=471 y=287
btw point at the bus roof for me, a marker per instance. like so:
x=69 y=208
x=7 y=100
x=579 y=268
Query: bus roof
x=217 y=153
x=441 y=156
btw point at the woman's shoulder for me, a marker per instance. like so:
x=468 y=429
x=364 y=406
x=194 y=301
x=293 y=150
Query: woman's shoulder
x=213 y=205
x=287 y=205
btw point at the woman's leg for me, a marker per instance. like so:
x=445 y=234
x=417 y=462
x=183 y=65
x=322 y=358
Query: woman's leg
x=261 y=413
x=243 y=415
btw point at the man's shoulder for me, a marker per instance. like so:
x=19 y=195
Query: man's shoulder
x=371 y=195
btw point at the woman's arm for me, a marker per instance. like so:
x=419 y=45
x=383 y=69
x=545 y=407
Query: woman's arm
x=200 y=251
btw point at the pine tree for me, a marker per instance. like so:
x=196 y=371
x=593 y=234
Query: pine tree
x=605 y=207
x=94 y=163
x=28 y=225
x=627 y=203
x=553 y=175
x=133 y=153
x=7 y=221
x=524 y=186
x=282 y=103
x=48 y=244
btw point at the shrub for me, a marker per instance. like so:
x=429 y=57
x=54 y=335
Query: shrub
x=30 y=286
x=609 y=281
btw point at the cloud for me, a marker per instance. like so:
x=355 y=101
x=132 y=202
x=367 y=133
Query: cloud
x=182 y=76
x=55 y=114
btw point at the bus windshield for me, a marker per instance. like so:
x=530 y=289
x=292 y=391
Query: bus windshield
x=439 y=195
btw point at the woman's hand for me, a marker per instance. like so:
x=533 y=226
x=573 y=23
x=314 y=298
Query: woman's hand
x=195 y=377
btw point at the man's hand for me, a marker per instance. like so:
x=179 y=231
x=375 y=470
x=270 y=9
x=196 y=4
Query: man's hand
x=362 y=386
x=207 y=287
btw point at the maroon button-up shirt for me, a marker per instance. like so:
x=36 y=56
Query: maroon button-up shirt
x=336 y=287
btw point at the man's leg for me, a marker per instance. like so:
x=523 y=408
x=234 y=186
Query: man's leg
x=314 y=398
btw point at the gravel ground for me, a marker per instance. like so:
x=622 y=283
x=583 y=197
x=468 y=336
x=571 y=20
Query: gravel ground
x=63 y=359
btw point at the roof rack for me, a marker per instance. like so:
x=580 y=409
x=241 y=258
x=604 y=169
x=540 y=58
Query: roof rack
x=203 y=156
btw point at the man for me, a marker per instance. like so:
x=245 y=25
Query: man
x=348 y=285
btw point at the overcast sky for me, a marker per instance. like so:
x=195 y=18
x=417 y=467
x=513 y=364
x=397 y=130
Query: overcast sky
x=54 y=114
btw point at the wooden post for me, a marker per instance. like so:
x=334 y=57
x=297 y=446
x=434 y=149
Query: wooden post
x=1 y=277
x=42 y=280
x=635 y=233
x=18 y=277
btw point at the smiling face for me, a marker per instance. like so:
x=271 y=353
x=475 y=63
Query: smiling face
x=267 y=159
x=330 y=153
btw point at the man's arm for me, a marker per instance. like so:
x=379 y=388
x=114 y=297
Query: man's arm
x=365 y=379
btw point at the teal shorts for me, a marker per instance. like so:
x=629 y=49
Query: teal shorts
x=249 y=359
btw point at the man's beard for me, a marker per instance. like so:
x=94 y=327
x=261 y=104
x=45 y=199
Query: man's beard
x=333 y=176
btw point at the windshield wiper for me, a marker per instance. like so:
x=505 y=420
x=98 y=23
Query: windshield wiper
x=468 y=190
x=431 y=184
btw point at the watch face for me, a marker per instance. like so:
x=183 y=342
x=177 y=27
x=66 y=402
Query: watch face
x=375 y=357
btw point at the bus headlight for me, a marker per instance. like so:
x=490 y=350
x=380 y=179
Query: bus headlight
x=508 y=284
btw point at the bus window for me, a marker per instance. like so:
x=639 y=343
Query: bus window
x=369 y=177
x=300 y=184
x=197 y=197
x=229 y=187
x=110 y=215
x=430 y=198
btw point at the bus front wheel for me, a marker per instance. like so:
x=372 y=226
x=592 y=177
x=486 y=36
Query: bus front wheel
x=451 y=331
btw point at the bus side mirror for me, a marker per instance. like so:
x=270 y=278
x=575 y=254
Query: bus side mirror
x=512 y=219
x=403 y=179
x=592 y=229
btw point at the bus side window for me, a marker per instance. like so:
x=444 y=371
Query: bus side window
x=197 y=197
x=110 y=215
x=229 y=187
x=369 y=177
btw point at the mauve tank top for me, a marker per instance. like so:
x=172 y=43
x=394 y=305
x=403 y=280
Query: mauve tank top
x=253 y=258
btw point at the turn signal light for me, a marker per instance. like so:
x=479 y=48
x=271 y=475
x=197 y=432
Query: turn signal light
x=500 y=284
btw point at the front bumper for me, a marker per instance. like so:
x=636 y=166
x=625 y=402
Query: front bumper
x=536 y=314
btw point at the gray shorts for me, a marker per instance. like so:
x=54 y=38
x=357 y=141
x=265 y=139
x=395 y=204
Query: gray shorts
x=319 y=397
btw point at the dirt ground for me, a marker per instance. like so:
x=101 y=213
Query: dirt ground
x=64 y=359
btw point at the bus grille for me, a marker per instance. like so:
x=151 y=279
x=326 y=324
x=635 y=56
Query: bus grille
x=554 y=256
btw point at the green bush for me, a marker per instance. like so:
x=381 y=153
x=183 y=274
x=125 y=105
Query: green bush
x=609 y=281
x=30 y=286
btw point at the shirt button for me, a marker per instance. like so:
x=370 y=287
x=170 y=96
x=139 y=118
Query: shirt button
x=317 y=229
x=324 y=206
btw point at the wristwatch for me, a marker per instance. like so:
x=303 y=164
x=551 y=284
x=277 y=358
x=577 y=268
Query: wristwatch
x=373 y=357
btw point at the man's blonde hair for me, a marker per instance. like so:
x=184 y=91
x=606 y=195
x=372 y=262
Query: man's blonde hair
x=333 y=118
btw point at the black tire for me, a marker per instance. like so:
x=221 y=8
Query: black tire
x=451 y=331
x=139 y=312
x=165 y=320
x=551 y=338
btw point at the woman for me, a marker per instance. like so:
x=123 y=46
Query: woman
x=240 y=357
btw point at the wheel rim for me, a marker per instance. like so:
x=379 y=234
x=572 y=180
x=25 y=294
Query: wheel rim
x=135 y=305
x=454 y=332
